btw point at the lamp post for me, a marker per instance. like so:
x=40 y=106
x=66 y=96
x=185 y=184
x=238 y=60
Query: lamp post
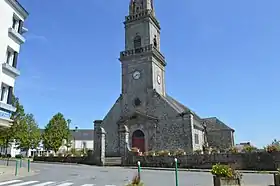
x=68 y=123
x=75 y=130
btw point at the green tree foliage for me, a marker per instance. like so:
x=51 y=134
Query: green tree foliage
x=7 y=135
x=55 y=132
x=29 y=135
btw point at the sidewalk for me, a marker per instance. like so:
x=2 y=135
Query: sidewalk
x=199 y=170
x=8 y=172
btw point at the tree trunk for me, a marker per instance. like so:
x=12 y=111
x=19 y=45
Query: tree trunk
x=7 y=144
x=26 y=153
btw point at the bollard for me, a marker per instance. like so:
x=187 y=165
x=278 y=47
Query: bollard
x=20 y=163
x=139 y=168
x=16 y=171
x=28 y=165
x=176 y=171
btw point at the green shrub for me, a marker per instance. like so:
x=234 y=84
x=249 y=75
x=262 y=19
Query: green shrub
x=233 y=150
x=249 y=148
x=179 y=152
x=272 y=148
x=163 y=153
x=198 y=151
x=19 y=156
x=150 y=153
x=225 y=171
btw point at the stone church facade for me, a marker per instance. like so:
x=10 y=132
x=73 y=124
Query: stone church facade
x=156 y=121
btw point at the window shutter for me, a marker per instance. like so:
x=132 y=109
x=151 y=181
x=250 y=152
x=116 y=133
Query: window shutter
x=20 y=26
x=15 y=59
x=10 y=94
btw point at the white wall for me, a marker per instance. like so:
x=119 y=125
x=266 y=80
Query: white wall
x=80 y=144
x=200 y=139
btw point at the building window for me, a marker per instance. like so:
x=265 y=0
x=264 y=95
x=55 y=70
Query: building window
x=137 y=42
x=6 y=94
x=196 y=139
x=17 y=24
x=84 y=145
x=155 y=41
x=11 y=57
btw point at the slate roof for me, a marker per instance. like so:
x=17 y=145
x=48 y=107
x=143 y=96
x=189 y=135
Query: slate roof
x=80 y=134
x=214 y=123
x=181 y=108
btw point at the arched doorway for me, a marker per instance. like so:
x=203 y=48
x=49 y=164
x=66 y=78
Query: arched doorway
x=138 y=140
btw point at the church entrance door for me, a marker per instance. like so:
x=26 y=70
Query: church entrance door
x=138 y=140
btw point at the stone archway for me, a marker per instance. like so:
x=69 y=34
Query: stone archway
x=138 y=140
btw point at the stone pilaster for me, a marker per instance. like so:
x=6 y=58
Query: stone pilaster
x=124 y=142
x=99 y=143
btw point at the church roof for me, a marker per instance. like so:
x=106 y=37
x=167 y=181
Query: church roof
x=214 y=123
x=180 y=107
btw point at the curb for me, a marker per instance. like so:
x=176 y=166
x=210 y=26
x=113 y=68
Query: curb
x=60 y=163
x=200 y=170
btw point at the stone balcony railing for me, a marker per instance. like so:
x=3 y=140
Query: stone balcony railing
x=141 y=15
x=138 y=15
x=142 y=50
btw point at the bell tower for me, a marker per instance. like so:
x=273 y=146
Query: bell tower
x=143 y=65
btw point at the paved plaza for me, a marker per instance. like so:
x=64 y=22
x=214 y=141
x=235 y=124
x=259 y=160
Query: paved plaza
x=82 y=175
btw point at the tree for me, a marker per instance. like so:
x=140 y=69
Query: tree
x=55 y=132
x=7 y=135
x=29 y=135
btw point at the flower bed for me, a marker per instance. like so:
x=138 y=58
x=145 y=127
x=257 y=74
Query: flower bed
x=223 y=175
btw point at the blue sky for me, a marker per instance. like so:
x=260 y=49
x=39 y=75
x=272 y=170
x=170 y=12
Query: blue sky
x=223 y=60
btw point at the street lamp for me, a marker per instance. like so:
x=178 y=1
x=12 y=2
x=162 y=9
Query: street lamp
x=75 y=130
x=68 y=124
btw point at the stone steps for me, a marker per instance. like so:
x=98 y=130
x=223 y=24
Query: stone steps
x=113 y=161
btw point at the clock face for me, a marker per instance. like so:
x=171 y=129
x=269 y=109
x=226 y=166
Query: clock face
x=136 y=75
x=158 y=79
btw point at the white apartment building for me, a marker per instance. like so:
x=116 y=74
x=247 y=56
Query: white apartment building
x=12 y=17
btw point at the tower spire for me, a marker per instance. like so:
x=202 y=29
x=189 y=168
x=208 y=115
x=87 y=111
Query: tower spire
x=137 y=6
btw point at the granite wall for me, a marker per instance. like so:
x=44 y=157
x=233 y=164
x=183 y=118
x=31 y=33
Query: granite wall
x=242 y=161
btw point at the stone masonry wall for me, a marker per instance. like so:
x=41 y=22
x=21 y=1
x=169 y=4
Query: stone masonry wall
x=241 y=161
x=221 y=139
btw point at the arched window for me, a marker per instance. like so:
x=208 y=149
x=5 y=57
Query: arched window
x=155 y=41
x=137 y=42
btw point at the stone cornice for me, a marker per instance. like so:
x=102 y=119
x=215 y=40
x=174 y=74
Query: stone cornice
x=18 y=7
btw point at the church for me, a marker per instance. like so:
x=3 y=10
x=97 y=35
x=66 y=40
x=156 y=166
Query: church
x=156 y=121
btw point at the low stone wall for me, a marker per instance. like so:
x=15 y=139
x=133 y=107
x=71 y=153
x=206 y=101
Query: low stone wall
x=59 y=159
x=242 y=161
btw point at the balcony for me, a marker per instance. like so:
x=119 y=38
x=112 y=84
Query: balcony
x=16 y=36
x=8 y=68
x=125 y=55
x=6 y=110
